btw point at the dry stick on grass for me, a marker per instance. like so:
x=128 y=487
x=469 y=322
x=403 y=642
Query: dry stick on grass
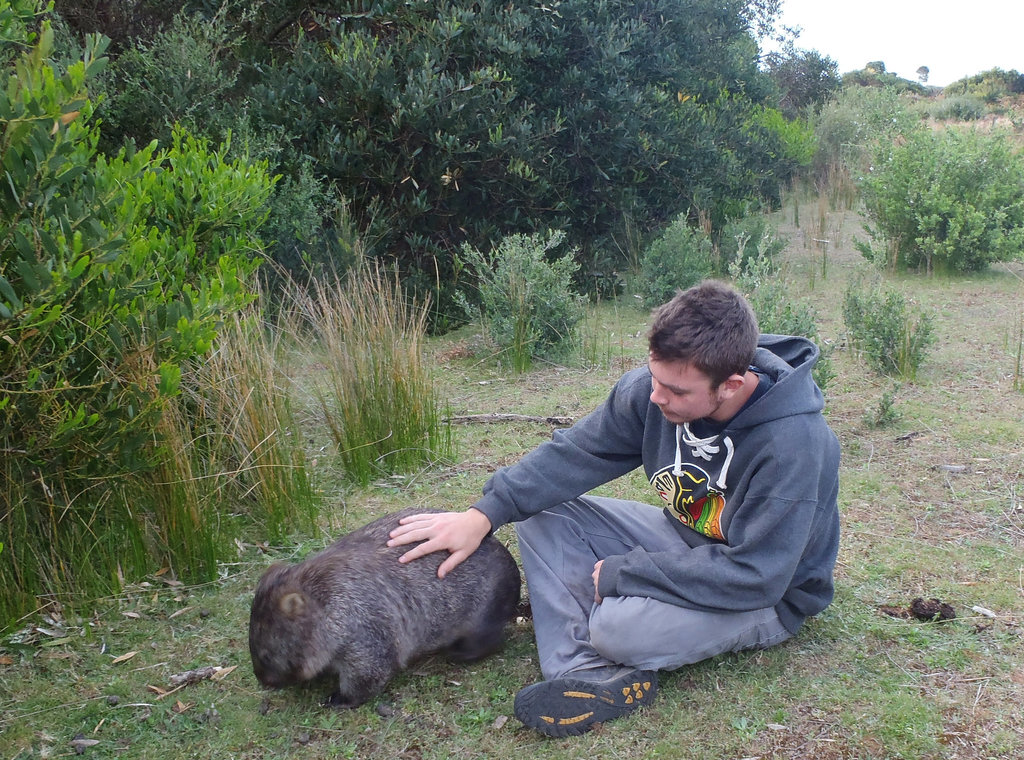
x=490 y=418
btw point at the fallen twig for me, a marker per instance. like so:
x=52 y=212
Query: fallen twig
x=490 y=418
x=190 y=677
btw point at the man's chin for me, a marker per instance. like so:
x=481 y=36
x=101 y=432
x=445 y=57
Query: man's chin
x=674 y=419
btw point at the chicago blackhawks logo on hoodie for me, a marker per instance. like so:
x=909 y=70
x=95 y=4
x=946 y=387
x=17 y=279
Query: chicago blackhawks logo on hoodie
x=692 y=495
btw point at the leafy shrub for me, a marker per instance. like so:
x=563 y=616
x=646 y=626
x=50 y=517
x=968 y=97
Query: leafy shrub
x=526 y=297
x=186 y=74
x=115 y=274
x=789 y=143
x=989 y=85
x=850 y=127
x=445 y=123
x=182 y=76
x=892 y=335
x=681 y=257
x=950 y=200
x=958 y=108
x=806 y=79
x=885 y=413
x=746 y=238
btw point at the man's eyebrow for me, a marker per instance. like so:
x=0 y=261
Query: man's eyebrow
x=673 y=388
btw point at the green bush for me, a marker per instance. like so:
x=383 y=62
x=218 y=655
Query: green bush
x=115 y=274
x=187 y=73
x=526 y=296
x=806 y=79
x=681 y=257
x=464 y=121
x=958 y=108
x=885 y=412
x=989 y=85
x=184 y=76
x=948 y=201
x=789 y=144
x=445 y=123
x=746 y=238
x=849 y=128
x=892 y=335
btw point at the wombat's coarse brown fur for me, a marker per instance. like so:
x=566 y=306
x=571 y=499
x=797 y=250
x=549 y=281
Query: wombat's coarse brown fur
x=355 y=611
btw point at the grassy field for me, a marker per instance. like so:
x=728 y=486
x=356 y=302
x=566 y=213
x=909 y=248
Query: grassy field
x=932 y=508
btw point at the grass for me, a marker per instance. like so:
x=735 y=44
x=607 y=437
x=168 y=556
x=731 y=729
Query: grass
x=932 y=507
x=376 y=396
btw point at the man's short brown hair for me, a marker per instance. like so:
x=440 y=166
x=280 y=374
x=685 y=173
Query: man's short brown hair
x=710 y=327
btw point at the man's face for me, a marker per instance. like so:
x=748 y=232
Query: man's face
x=683 y=393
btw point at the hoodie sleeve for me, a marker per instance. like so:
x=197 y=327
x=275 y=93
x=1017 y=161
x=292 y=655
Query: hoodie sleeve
x=600 y=447
x=784 y=514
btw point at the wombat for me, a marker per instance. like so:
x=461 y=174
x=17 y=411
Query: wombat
x=355 y=611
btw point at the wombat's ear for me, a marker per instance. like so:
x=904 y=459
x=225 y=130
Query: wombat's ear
x=292 y=605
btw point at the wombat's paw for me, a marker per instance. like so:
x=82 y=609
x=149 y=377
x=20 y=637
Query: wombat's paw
x=340 y=701
x=472 y=648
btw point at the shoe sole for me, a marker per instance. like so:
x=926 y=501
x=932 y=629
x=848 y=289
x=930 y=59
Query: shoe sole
x=570 y=707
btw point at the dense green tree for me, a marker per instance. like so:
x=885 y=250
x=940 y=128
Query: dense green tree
x=989 y=85
x=805 y=78
x=421 y=126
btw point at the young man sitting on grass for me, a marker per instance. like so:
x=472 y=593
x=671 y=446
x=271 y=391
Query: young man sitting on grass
x=728 y=427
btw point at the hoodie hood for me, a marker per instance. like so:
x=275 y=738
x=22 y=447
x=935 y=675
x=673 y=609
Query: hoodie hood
x=788 y=361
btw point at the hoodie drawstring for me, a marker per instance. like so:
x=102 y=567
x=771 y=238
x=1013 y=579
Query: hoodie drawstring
x=702 y=448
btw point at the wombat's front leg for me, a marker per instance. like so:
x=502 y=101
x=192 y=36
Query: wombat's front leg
x=485 y=641
x=355 y=688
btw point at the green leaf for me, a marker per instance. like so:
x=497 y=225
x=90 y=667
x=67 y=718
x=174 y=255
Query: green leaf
x=8 y=292
x=170 y=379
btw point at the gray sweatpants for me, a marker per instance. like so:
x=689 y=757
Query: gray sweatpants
x=593 y=641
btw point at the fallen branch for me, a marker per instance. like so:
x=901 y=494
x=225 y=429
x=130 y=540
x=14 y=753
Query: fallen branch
x=489 y=418
x=191 y=677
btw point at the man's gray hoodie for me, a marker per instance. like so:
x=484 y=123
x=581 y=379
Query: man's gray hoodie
x=755 y=503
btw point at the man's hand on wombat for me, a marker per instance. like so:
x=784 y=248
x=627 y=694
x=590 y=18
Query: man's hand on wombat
x=458 y=533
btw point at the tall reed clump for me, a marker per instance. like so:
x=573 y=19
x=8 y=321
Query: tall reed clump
x=892 y=335
x=375 y=391
x=224 y=458
x=233 y=440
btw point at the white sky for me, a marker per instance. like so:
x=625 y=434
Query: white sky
x=953 y=38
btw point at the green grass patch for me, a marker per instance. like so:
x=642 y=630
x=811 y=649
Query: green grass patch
x=856 y=683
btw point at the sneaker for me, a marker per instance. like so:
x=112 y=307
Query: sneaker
x=571 y=706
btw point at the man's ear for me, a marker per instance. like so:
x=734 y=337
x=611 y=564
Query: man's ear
x=731 y=384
